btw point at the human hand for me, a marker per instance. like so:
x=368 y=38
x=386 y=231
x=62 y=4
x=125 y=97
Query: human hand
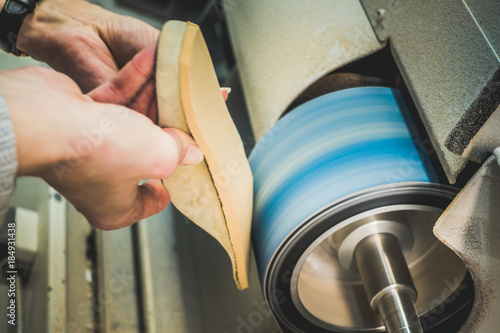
x=134 y=86
x=84 y=41
x=94 y=154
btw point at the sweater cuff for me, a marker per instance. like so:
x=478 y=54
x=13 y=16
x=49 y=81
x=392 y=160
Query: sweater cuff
x=8 y=158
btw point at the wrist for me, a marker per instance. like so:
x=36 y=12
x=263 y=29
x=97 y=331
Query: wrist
x=12 y=15
x=43 y=128
x=43 y=31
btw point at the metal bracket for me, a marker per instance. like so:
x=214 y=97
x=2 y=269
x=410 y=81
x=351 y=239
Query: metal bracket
x=496 y=152
x=448 y=54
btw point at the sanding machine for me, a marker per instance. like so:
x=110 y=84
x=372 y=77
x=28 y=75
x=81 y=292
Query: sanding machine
x=376 y=178
x=365 y=113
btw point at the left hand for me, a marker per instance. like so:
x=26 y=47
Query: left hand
x=111 y=53
x=83 y=41
x=134 y=86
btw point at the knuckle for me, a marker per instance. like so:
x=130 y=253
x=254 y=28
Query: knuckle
x=110 y=223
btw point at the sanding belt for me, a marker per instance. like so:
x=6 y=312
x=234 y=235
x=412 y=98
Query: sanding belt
x=216 y=194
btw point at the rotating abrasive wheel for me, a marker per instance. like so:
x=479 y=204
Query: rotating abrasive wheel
x=345 y=203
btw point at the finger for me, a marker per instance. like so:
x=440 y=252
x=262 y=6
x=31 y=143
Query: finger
x=152 y=198
x=189 y=151
x=147 y=200
x=127 y=36
x=145 y=100
x=89 y=79
x=225 y=92
x=172 y=147
x=90 y=66
x=129 y=82
x=152 y=111
x=168 y=148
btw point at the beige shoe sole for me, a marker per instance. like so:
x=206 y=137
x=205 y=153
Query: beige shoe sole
x=217 y=193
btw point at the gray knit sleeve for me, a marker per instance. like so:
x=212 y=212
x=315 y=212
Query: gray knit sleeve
x=8 y=158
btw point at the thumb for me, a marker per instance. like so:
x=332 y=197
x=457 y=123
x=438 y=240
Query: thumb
x=173 y=147
x=189 y=153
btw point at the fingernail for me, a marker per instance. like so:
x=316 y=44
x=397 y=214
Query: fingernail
x=226 y=89
x=193 y=156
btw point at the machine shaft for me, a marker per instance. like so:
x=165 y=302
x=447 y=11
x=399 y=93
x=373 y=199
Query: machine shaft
x=388 y=282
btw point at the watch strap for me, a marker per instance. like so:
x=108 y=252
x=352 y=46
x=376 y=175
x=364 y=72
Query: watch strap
x=11 y=18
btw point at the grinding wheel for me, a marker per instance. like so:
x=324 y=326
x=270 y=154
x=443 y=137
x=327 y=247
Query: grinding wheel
x=216 y=194
x=329 y=176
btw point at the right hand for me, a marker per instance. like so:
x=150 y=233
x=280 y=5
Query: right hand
x=94 y=154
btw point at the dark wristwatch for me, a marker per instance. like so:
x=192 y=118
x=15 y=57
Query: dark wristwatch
x=11 y=18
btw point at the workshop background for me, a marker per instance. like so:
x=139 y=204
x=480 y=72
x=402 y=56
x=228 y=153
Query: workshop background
x=283 y=58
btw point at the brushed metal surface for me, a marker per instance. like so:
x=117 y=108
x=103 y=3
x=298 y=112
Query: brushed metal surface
x=470 y=228
x=447 y=52
x=282 y=47
x=332 y=296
